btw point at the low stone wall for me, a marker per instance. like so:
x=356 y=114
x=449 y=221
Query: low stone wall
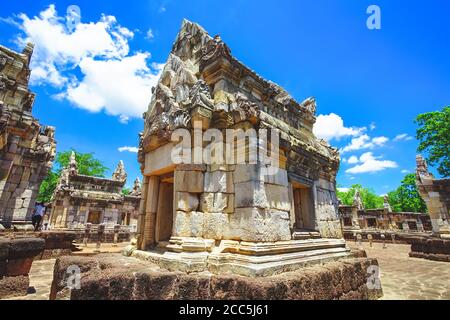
x=115 y=277
x=56 y=243
x=400 y=237
x=431 y=248
x=107 y=237
x=16 y=258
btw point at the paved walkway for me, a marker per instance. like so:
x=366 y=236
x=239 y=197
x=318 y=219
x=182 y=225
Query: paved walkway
x=41 y=273
x=402 y=277
x=405 y=278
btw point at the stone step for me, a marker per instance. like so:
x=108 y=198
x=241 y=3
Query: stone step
x=305 y=234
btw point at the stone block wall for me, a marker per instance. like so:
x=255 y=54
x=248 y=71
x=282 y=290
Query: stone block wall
x=232 y=202
x=26 y=149
x=16 y=258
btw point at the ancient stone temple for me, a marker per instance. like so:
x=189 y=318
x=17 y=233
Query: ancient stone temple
x=81 y=199
x=356 y=218
x=26 y=148
x=231 y=216
x=436 y=194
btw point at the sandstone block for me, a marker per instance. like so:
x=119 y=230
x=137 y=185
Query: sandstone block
x=259 y=225
x=187 y=202
x=250 y=194
x=215 y=225
x=196 y=222
x=219 y=181
x=278 y=197
x=189 y=181
x=217 y=202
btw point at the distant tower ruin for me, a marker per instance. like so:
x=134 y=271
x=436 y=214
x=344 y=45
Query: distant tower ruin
x=27 y=149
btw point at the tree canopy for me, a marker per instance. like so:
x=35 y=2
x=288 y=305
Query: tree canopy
x=434 y=137
x=406 y=198
x=87 y=165
x=369 y=198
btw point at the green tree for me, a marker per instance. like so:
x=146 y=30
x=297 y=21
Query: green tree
x=126 y=191
x=87 y=165
x=369 y=198
x=434 y=137
x=406 y=198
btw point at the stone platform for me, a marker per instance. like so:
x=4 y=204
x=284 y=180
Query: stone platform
x=115 y=277
x=431 y=248
x=244 y=258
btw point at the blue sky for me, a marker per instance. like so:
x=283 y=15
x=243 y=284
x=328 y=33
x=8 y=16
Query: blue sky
x=369 y=84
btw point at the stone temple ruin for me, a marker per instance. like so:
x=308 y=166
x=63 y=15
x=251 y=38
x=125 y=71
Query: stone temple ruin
x=81 y=199
x=436 y=194
x=233 y=217
x=356 y=218
x=26 y=148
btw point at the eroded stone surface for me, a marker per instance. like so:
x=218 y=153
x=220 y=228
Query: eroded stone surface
x=114 y=277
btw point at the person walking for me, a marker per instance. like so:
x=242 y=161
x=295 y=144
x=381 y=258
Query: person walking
x=37 y=216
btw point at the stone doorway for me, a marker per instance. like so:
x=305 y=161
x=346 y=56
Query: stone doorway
x=412 y=225
x=165 y=213
x=303 y=208
x=372 y=223
x=94 y=217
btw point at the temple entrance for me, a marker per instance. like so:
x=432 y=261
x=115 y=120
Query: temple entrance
x=372 y=223
x=348 y=222
x=303 y=207
x=412 y=225
x=164 y=214
x=94 y=217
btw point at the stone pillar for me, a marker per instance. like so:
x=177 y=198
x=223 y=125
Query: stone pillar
x=420 y=225
x=100 y=234
x=141 y=216
x=405 y=226
x=151 y=207
x=116 y=234
x=355 y=219
x=87 y=232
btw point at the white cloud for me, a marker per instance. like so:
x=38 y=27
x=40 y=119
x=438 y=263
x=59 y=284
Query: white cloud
x=372 y=126
x=112 y=79
x=369 y=163
x=331 y=126
x=149 y=35
x=128 y=149
x=343 y=189
x=403 y=137
x=364 y=142
x=353 y=160
x=405 y=171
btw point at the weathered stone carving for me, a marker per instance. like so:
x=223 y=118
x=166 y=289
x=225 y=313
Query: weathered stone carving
x=27 y=149
x=136 y=192
x=120 y=174
x=436 y=194
x=357 y=201
x=212 y=210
